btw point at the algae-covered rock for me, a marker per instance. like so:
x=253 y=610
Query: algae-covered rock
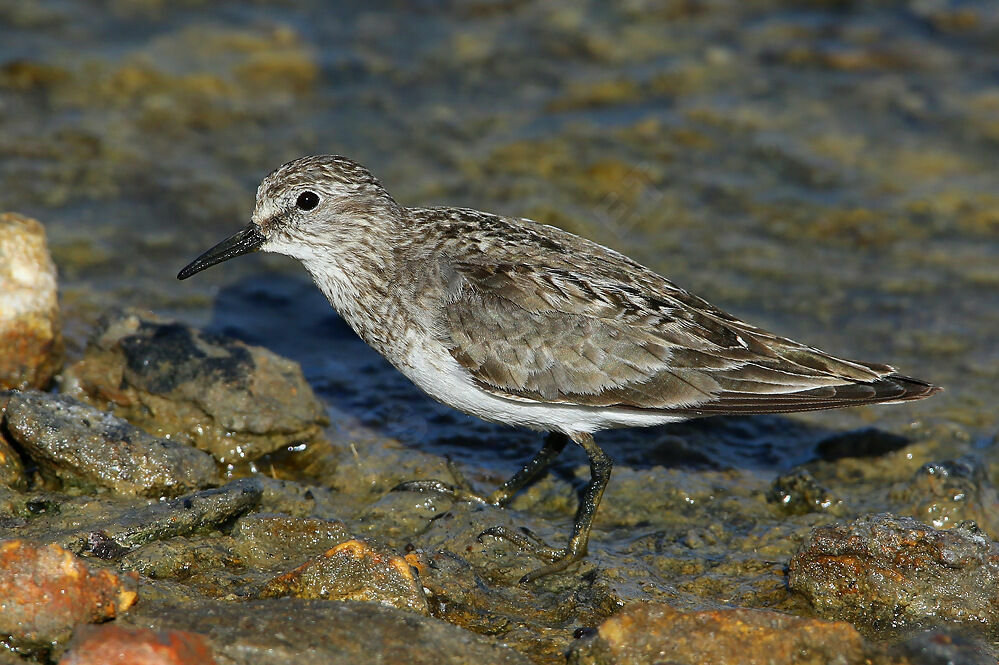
x=647 y=634
x=271 y=540
x=289 y=630
x=31 y=343
x=799 y=493
x=85 y=447
x=353 y=570
x=888 y=571
x=234 y=400
x=949 y=492
x=109 y=528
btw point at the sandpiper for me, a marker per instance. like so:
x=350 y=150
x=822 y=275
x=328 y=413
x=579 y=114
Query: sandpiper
x=525 y=324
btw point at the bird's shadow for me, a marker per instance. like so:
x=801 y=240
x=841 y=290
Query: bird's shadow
x=291 y=317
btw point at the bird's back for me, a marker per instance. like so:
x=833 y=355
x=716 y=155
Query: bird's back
x=534 y=313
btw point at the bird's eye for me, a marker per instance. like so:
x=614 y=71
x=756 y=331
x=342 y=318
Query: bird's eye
x=307 y=200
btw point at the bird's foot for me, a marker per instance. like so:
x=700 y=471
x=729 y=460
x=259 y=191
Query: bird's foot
x=558 y=558
x=461 y=490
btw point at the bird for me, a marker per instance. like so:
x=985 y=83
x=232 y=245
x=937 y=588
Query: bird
x=529 y=325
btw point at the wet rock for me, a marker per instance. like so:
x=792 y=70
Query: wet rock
x=180 y=558
x=110 y=643
x=946 y=493
x=353 y=571
x=31 y=343
x=45 y=591
x=234 y=400
x=187 y=514
x=938 y=647
x=132 y=526
x=799 y=493
x=653 y=633
x=11 y=466
x=269 y=540
x=85 y=447
x=885 y=571
x=286 y=630
x=487 y=601
x=299 y=499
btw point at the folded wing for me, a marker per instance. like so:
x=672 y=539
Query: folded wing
x=596 y=329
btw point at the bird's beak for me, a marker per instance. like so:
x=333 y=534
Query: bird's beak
x=249 y=239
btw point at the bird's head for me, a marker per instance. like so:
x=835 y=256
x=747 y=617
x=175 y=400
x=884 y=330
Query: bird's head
x=312 y=206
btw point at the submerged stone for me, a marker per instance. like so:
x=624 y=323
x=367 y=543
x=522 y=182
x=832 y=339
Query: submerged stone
x=949 y=492
x=234 y=400
x=799 y=493
x=82 y=446
x=31 y=343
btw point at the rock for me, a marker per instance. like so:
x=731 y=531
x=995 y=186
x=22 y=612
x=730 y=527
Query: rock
x=799 y=493
x=123 y=529
x=353 y=571
x=278 y=631
x=181 y=558
x=946 y=493
x=299 y=499
x=938 y=647
x=234 y=400
x=887 y=571
x=269 y=540
x=11 y=466
x=109 y=643
x=85 y=447
x=31 y=345
x=648 y=634
x=45 y=591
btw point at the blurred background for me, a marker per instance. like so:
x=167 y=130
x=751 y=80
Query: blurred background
x=825 y=169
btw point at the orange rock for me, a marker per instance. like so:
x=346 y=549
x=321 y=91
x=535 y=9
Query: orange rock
x=46 y=590
x=653 y=633
x=353 y=571
x=31 y=343
x=108 y=644
x=890 y=570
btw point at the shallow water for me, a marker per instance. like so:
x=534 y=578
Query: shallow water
x=827 y=170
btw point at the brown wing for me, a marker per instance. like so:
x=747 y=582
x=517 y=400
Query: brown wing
x=552 y=332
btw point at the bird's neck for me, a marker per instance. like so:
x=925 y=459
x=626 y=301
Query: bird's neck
x=355 y=276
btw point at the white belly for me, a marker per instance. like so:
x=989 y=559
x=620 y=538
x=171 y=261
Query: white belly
x=438 y=374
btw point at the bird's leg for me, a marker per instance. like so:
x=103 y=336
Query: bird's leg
x=461 y=491
x=561 y=558
x=554 y=443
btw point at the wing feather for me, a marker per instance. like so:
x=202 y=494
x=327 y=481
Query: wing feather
x=584 y=325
